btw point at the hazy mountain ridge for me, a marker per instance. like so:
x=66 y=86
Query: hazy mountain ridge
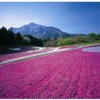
x=40 y=31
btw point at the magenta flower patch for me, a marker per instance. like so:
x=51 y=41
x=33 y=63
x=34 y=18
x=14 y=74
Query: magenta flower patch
x=67 y=74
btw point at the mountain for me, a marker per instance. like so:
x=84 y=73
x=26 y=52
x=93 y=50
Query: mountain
x=40 y=31
x=74 y=34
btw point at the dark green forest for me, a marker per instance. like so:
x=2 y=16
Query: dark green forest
x=9 y=39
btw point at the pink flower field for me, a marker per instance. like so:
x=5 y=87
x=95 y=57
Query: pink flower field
x=20 y=54
x=61 y=75
x=10 y=56
x=63 y=47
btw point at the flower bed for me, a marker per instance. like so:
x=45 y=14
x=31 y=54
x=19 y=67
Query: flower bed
x=20 y=54
x=63 y=47
x=10 y=56
x=68 y=74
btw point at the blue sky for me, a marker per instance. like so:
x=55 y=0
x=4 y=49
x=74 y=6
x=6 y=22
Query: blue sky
x=71 y=17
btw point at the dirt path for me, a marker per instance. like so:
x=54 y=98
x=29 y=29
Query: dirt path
x=52 y=50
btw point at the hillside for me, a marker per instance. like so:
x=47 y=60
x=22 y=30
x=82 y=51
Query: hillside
x=40 y=31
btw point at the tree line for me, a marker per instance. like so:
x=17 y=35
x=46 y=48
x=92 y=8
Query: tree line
x=9 y=39
x=80 y=39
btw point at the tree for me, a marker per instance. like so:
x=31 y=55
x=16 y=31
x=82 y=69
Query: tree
x=34 y=41
x=60 y=41
x=80 y=39
x=51 y=42
x=19 y=38
x=92 y=37
x=11 y=39
x=98 y=36
x=7 y=38
x=26 y=40
x=3 y=37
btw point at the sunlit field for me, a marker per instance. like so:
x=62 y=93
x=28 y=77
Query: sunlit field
x=73 y=73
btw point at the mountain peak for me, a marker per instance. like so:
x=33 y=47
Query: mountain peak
x=32 y=23
x=39 y=31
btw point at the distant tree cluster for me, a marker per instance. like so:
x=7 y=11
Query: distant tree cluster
x=79 y=39
x=50 y=42
x=8 y=39
x=72 y=40
x=92 y=37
